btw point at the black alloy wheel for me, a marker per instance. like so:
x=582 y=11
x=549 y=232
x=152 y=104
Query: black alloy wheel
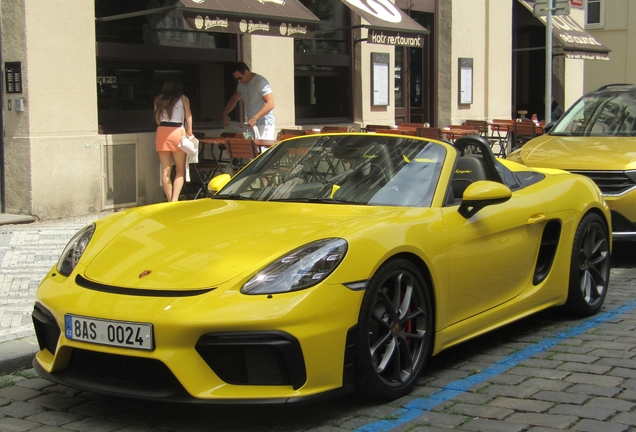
x=395 y=330
x=589 y=267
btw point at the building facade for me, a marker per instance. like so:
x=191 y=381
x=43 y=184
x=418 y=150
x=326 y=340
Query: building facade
x=613 y=22
x=80 y=78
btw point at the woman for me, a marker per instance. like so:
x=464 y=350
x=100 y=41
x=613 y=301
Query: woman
x=173 y=115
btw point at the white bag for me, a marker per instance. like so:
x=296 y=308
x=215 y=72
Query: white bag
x=189 y=145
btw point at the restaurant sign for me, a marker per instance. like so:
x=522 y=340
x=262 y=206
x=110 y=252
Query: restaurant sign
x=577 y=43
x=387 y=24
x=384 y=37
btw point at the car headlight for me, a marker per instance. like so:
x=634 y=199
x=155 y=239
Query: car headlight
x=299 y=269
x=74 y=250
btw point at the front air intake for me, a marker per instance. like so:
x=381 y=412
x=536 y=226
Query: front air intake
x=46 y=329
x=254 y=358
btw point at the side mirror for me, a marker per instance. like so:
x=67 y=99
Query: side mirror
x=217 y=183
x=481 y=194
x=548 y=127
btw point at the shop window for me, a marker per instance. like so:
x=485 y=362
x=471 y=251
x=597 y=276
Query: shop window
x=136 y=54
x=126 y=92
x=594 y=13
x=322 y=74
x=322 y=93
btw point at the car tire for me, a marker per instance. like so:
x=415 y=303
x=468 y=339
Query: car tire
x=395 y=331
x=589 y=267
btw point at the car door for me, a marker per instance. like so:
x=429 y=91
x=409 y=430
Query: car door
x=492 y=254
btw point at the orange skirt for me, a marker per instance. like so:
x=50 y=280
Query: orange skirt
x=168 y=138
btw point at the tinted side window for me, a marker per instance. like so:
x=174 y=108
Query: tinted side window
x=527 y=178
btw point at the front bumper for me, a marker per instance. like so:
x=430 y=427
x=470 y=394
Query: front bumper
x=150 y=379
x=285 y=349
x=622 y=228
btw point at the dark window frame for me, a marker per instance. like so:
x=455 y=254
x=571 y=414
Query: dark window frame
x=595 y=12
x=321 y=65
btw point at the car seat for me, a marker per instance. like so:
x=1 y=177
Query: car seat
x=469 y=169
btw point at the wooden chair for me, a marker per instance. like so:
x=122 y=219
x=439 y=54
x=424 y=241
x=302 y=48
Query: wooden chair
x=392 y=131
x=430 y=132
x=524 y=131
x=223 y=147
x=241 y=151
x=462 y=127
x=480 y=126
x=335 y=129
x=283 y=136
x=410 y=131
x=377 y=128
x=411 y=125
x=289 y=133
x=232 y=135
x=198 y=173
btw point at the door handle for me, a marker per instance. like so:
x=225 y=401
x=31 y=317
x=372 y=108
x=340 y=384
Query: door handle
x=536 y=218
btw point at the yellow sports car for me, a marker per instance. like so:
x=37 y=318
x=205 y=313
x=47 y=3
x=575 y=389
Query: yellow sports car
x=597 y=138
x=331 y=262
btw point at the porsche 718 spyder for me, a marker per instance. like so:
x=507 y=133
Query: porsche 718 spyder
x=330 y=263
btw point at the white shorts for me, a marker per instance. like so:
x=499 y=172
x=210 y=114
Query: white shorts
x=264 y=132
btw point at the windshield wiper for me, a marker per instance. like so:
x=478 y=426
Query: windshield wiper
x=232 y=197
x=310 y=200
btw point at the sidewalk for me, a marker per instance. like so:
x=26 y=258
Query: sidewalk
x=6 y=219
x=28 y=249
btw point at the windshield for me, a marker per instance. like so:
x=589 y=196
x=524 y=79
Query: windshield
x=353 y=168
x=604 y=114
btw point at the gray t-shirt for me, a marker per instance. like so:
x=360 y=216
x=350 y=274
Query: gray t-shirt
x=252 y=95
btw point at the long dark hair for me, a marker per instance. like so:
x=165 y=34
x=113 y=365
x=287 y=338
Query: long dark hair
x=170 y=94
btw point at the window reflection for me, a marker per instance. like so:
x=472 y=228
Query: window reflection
x=333 y=15
x=322 y=76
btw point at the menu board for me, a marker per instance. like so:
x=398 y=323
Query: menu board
x=13 y=77
x=465 y=81
x=380 y=79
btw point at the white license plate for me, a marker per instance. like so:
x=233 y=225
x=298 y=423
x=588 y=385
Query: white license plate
x=106 y=332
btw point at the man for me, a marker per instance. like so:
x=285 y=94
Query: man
x=258 y=100
x=556 y=112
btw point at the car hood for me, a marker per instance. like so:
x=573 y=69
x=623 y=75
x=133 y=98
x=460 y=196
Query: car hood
x=203 y=243
x=580 y=153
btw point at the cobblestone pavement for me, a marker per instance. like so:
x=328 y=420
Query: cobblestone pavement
x=545 y=373
x=27 y=253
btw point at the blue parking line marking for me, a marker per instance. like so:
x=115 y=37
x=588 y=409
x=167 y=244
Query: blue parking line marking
x=419 y=406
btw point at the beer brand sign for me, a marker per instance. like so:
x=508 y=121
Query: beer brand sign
x=244 y=26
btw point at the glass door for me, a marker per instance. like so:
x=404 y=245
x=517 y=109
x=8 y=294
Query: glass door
x=401 y=87
x=414 y=77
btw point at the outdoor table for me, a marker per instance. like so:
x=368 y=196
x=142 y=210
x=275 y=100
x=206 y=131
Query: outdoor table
x=207 y=168
x=452 y=133
x=501 y=134
x=222 y=143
